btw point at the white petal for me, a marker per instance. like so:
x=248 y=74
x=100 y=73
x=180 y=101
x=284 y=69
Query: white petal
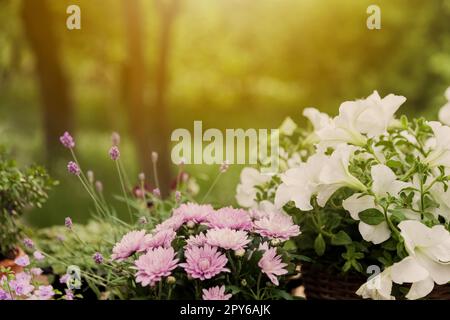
x=439 y=272
x=420 y=289
x=357 y=203
x=376 y=234
x=408 y=270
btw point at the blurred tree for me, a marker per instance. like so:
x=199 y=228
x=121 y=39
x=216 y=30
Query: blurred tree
x=167 y=11
x=54 y=87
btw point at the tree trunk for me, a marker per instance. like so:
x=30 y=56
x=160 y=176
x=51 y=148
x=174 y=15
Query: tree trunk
x=54 y=87
x=167 y=12
x=149 y=125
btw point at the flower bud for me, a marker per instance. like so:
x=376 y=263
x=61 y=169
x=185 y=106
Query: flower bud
x=99 y=186
x=190 y=224
x=154 y=156
x=141 y=176
x=239 y=253
x=90 y=176
x=115 y=139
x=275 y=242
x=244 y=283
x=171 y=280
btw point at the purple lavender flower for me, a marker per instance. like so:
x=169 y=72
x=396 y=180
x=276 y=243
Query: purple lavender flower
x=177 y=196
x=68 y=222
x=98 y=258
x=67 y=140
x=28 y=243
x=38 y=255
x=73 y=168
x=156 y=192
x=114 y=153
x=22 y=261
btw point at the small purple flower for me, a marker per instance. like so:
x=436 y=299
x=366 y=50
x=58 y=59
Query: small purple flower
x=68 y=223
x=224 y=166
x=45 y=292
x=22 y=261
x=63 y=279
x=177 y=196
x=5 y=295
x=36 y=271
x=73 y=168
x=69 y=294
x=38 y=255
x=67 y=140
x=114 y=153
x=98 y=258
x=60 y=237
x=28 y=243
x=157 y=192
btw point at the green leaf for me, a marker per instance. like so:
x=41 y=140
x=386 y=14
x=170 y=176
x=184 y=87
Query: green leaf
x=281 y=294
x=341 y=239
x=319 y=245
x=371 y=216
x=234 y=289
x=394 y=164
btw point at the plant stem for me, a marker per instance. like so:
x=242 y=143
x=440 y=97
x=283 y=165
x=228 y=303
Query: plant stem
x=211 y=187
x=124 y=190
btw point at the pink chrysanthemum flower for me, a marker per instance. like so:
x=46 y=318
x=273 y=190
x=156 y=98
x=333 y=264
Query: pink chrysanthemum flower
x=162 y=238
x=216 y=293
x=277 y=226
x=196 y=241
x=204 y=262
x=228 y=217
x=227 y=239
x=271 y=265
x=154 y=265
x=133 y=241
x=173 y=223
x=192 y=212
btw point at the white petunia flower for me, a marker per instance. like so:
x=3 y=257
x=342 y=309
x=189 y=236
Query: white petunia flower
x=428 y=261
x=384 y=183
x=378 y=287
x=440 y=153
x=335 y=174
x=300 y=184
x=444 y=112
x=246 y=191
x=370 y=116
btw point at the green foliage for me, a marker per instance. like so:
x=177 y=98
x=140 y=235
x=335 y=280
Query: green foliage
x=19 y=191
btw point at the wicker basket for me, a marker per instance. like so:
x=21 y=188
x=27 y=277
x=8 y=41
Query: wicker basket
x=322 y=284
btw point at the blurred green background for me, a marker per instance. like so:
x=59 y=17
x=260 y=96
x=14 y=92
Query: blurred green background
x=144 y=68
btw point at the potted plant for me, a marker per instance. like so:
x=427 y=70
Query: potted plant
x=20 y=190
x=173 y=248
x=370 y=193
